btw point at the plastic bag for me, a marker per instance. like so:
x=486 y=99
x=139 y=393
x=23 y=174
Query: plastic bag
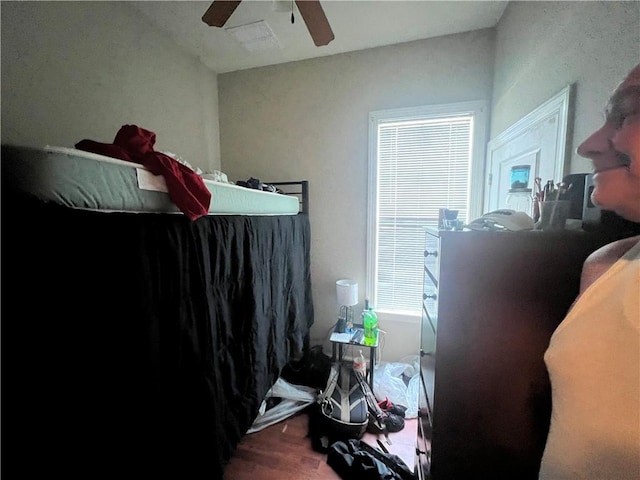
x=399 y=382
x=293 y=399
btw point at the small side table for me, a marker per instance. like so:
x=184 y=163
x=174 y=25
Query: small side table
x=339 y=340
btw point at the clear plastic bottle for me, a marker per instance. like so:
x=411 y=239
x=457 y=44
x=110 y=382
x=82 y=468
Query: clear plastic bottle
x=520 y=200
x=360 y=364
x=370 y=323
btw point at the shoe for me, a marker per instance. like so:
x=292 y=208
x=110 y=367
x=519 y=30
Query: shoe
x=388 y=407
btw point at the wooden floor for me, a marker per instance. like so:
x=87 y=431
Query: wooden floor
x=283 y=452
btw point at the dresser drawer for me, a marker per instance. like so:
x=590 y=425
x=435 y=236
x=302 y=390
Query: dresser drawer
x=423 y=443
x=423 y=448
x=430 y=297
x=427 y=377
x=432 y=257
x=427 y=333
x=430 y=305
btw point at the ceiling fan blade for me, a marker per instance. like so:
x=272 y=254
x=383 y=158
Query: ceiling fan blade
x=219 y=12
x=316 y=21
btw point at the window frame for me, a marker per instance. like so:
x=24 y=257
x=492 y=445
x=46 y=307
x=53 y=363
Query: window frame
x=479 y=110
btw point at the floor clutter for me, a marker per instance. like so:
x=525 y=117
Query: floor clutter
x=342 y=407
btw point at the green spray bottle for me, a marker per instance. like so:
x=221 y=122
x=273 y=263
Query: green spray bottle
x=370 y=323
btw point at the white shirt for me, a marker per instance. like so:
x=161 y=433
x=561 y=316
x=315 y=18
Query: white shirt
x=593 y=361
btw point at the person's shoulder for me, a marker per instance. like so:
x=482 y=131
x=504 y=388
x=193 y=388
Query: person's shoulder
x=602 y=259
x=613 y=251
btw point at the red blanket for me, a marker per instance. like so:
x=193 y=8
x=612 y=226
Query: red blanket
x=135 y=144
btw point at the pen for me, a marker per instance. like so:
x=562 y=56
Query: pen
x=538 y=183
x=548 y=188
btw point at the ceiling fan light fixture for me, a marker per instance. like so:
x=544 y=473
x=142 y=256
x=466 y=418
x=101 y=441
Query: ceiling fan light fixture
x=310 y=10
x=284 y=6
x=255 y=36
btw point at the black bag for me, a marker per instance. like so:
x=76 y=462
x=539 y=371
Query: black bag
x=342 y=406
x=312 y=370
x=356 y=460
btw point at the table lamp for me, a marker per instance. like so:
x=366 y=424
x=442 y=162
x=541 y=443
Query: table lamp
x=347 y=293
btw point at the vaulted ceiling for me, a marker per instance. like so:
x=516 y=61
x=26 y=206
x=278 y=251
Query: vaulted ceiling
x=356 y=25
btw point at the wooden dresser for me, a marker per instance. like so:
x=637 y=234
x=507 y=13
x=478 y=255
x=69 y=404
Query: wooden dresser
x=491 y=302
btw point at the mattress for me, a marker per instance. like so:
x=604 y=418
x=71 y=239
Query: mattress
x=80 y=179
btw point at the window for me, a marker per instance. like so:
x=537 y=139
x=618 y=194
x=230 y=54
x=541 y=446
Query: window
x=420 y=160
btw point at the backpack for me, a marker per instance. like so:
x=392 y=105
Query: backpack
x=342 y=406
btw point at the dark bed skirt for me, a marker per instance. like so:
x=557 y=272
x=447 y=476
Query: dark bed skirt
x=143 y=344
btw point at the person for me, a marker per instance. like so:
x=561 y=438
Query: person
x=593 y=357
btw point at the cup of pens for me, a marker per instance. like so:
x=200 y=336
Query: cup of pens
x=551 y=209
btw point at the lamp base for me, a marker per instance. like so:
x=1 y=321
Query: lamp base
x=346 y=316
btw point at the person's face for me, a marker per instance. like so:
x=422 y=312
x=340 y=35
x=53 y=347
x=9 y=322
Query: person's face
x=614 y=150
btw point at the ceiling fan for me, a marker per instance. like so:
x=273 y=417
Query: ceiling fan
x=312 y=13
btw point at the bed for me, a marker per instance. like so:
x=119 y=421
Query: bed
x=80 y=179
x=137 y=342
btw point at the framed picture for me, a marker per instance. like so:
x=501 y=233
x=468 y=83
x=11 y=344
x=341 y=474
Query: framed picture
x=534 y=146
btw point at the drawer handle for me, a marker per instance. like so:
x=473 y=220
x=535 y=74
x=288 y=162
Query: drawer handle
x=434 y=253
x=433 y=296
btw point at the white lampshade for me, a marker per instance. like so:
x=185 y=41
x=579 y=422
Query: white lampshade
x=347 y=291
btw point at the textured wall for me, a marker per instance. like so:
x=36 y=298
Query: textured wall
x=74 y=70
x=543 y=46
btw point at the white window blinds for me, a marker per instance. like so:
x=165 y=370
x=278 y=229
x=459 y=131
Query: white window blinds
x=421 y=163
